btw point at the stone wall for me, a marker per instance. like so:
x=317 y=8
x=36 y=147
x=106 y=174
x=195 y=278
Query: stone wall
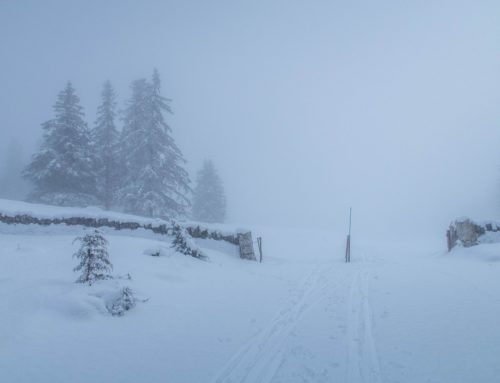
x=246 y=246
x=467 y=232
x=25 y=219
x=242 y=240
x=195 y=231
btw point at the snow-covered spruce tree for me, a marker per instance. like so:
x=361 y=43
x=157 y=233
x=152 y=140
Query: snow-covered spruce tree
x=104 y=142
x=209 y=201
x=61 y=170
x=94 y=258
x=155 y=183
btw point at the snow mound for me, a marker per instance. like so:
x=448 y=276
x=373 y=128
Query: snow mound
x=83 y=302
x=488 y=252
x=121 y=302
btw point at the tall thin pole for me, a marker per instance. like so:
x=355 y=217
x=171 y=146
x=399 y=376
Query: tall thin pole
x=348 y=244
x=259 y=243
x=350 y=220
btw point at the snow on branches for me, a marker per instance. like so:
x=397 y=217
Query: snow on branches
x=94 y=258
x=183 y=242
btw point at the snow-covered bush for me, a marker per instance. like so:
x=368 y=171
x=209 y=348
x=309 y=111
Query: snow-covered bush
x=124 y=301
x=94 y=258
x=183 y=242
x=157 y=251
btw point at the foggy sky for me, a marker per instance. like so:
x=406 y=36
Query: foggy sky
x=306 y=107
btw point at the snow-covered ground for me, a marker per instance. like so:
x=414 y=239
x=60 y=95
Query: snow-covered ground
x=400 y=312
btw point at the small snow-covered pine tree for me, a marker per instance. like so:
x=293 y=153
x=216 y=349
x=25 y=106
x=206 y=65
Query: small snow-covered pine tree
x=61 y=170
x=123 y=302
x=104 y=142
x=94 y=258
x=155 y=182
x=209 y=201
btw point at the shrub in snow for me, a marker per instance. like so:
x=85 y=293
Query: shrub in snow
x=126 y=276
x=123 y=302
x=183 y=243
x=156 y=251
x=94 y=259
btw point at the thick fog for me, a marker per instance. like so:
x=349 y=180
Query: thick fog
x=306 y=108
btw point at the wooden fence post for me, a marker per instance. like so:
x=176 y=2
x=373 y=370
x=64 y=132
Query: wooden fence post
x=348 y=249
x=348 y=244
x=259 y=243
x=448 y=240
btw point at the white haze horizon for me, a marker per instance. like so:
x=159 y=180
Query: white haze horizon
x=306 y=108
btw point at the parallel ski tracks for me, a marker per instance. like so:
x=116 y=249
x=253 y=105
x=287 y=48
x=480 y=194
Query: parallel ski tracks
x=363 y=364
x=262 y=356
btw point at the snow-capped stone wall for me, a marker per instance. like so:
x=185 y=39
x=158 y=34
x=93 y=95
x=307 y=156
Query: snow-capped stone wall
x=22 y=213
x=197 y=231
x=467 y=233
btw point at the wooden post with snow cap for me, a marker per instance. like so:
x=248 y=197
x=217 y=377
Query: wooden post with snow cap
x=348 y=244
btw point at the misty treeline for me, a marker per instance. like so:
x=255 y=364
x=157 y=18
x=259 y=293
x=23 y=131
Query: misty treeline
x=12 y=185
x=136 y=168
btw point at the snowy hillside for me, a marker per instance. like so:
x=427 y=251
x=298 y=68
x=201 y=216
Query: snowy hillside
x=397 y=313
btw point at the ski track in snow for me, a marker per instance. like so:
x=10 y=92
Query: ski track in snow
x=363 y=364
x=262 y=356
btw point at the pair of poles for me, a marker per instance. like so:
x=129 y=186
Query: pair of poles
x=348 y=244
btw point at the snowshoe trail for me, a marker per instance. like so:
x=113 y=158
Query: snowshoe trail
x=260 y=359
x=362 y=358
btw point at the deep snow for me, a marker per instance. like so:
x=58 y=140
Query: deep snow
x=400 y=312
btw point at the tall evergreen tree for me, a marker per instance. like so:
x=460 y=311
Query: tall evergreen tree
x=62 y=171
x=12 y=184
x=104 y=139
x=209 y=201
x=155 y=183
